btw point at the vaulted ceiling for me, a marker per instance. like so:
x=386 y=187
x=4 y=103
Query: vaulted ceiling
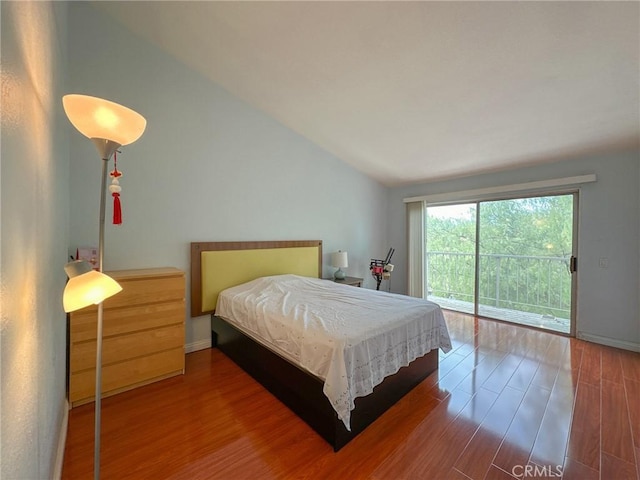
x=419 y=91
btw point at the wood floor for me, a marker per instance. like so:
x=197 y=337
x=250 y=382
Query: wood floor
x=507 y=401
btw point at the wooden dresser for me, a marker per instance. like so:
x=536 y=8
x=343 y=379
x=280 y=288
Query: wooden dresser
x=143 y=334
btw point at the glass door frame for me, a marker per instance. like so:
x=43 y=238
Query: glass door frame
x=574 y=247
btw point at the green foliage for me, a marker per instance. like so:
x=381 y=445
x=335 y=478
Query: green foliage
x=537 y=226
x=524 y=248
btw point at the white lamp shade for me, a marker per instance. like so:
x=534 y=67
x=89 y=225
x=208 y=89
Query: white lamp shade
x=88 y=289
x=339 y=259
x=98 y=118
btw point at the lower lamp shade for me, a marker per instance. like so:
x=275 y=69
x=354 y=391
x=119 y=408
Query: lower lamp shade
x=86 y=286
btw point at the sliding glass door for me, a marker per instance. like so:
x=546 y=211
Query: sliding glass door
x=505 y=259
x=451 y=256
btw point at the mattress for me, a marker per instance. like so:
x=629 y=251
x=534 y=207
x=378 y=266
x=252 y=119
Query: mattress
x=352 y=338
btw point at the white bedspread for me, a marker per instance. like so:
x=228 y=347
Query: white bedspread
x=351 y=337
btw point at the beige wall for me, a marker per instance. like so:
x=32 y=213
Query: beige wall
x=34 y=236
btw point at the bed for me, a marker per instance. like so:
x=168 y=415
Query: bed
x=315 y=389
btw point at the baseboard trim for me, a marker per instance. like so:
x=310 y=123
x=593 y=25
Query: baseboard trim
x=199 y=345
x=611 y=342
x=62 y=440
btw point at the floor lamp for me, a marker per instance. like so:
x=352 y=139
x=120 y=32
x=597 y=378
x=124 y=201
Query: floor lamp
x=109 y=126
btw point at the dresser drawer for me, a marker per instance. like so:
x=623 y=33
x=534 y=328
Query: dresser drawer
x=140 y=291
x=126 y=320
x=123 y=347
x=126 y=375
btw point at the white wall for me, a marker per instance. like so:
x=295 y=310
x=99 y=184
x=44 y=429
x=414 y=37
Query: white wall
x=34 y=238
x=208 y=168
x=607 y=306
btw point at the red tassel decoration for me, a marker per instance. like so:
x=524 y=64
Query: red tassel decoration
x=117 y=209
x=115 y=190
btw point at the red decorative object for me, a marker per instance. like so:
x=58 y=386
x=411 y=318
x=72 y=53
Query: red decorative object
x=117 y=209
x=115 y=190
x=381 y=269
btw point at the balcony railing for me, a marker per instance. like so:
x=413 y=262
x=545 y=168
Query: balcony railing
x=532 y=284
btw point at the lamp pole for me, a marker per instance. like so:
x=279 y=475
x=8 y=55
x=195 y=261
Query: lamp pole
x=98 y=397
x=106 y=149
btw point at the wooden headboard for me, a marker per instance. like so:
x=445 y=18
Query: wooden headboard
x=219 y=265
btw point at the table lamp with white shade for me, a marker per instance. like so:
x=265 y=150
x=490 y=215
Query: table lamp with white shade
x=339 y=260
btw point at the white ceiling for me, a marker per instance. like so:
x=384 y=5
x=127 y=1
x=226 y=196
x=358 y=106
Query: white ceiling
x=418 y=91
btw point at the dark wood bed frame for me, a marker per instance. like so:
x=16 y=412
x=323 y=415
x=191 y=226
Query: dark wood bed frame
x=301 y=391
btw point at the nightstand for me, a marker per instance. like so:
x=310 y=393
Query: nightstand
x=353 y=281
